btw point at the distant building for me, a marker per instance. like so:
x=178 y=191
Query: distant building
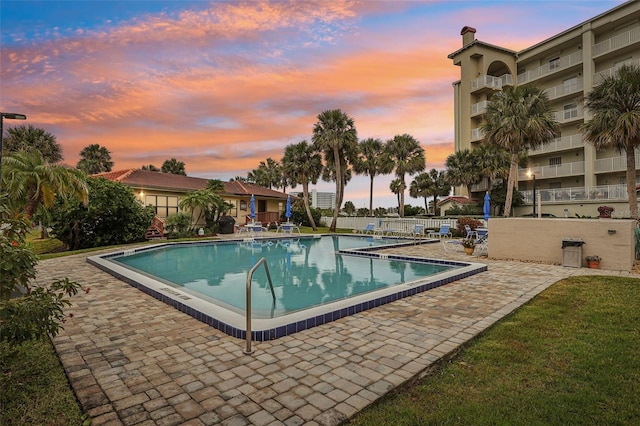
x=320 y=200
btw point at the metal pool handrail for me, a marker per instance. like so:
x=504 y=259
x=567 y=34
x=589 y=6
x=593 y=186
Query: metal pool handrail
x=262 y=261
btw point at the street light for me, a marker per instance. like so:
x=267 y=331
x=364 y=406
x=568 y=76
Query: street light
x=8 y=116
x=533 y=175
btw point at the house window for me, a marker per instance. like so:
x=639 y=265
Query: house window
x=165 y=206
x=570 y=111
x=555 y=161
x=554 y=63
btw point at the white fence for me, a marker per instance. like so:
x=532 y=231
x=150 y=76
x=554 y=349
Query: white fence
x=402 y=225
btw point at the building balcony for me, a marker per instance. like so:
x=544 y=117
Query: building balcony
x=490 y=82
x=561 y=90
x=476 y=134
x=560 y=144
x=546 y=172
x=578 y=194
x=610 y=72
x=562 y=63
x=614 y=164
x=479 y=108
x=617 y=42
x=569 y=115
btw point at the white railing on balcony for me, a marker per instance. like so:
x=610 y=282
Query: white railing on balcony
x=569 y=115
x=479 y=108
x=578 y=194
x=565 y=89
x=551 y=67
x=492 y=82
x=481 y=186
x=544 y=172
x=476 y=134
x=560 y=144
x=617 y=42
x=610 y=72
x=614 y=164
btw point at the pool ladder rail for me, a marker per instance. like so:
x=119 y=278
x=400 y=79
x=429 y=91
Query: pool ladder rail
x=262 y=261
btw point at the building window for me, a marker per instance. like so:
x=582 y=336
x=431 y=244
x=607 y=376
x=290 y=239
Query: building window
x=570 y=85
x=570 y=111
x=554 y=63
x=555 y=161
x=165 y=206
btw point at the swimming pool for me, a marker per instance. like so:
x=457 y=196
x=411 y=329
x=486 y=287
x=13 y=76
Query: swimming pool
x=316 y=280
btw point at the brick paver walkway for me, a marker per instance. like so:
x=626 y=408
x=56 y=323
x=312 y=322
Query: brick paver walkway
x=132 y=359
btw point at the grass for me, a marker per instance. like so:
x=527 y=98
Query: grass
x=568 y=357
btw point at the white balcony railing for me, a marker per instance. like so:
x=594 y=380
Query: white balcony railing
x=579 y=194
x=614 y=164
x=560 y=144
x=491 y=82
x=610 y=72
x=479 y=108
x=617 y=42
x=565 y=89
x=563 y=63
x=561 y=170
x=569 y=115
x=476 y=134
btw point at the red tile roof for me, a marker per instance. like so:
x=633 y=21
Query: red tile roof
x=167 y=181
x=456 y=199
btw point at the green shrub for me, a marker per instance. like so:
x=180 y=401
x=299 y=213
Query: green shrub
x=178 y=223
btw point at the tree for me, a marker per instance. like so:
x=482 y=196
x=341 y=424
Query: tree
x=518 y=119
x=407 y=157
x=431 y=184
x=173 y=167
x=372 y=161
x=32 y=182
x=112 y=216
x=150 y=168
x=27 y=138
x=615 y=107
x=349 y=208
x=95 y=159
x=268 y=174
x=302 y=165
x=493 y=162
x=396 y=186
x=463 y=170
x=336 y=136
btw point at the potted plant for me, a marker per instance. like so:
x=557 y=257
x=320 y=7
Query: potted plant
x=593 y=261
x=469 y=244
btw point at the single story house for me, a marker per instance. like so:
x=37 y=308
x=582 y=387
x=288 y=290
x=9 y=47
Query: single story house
x=452 y=201
x=164 y=191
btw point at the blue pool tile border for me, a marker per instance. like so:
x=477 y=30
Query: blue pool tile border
x=297 y=326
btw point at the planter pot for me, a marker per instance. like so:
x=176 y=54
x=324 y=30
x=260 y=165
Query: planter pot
x=468 y=250
x=593 y=264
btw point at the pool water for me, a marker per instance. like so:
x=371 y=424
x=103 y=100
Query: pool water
x=305 y=272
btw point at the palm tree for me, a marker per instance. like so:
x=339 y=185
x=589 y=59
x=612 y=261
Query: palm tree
x=408 y=157
x=396 y=186
x=32 y=182
x=301 y=164
x=463 y=170
x=432 y=183
x=95 y=159
x=26 y=138
x=201 y=200
x=615 y=107
x=335 y=134
x=150 y=168
x=519 y=119
x=173 y=167
x=371 y=161
x=268 y=174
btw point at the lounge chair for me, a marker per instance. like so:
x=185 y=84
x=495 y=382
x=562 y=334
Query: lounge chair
x=481 y=244
x=444 y=232
x=418 y=230
x=369 y=229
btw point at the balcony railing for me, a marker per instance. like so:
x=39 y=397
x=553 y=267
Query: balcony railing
x=617 y=42
x=569 y=115
x=479 y=108
x=610 y=72
x=579 y=194
x=491 y=82
x=476 y=134
x=560 y=144
x=614 y=164
x=563 y=63
x=565 y=89
x=561 y=170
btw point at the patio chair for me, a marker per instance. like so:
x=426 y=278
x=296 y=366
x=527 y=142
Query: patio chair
x=369 y=229
x=418 y=230
x=481 y=244
x=444 y=232
x=470 y=232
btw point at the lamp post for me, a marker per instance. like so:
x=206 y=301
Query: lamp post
x=533 y=175
x=8 y=116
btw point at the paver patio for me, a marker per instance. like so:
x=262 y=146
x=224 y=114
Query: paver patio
x=133 y=360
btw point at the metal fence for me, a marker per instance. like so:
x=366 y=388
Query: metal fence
x=400 y=225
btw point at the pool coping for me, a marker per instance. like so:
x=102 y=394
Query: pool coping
x=234 y=324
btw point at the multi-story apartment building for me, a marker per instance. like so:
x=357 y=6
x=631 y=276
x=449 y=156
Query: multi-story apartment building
x=571 y=177
x=321 y=200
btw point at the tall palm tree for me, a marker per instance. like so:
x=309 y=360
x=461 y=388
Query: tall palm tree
x=26 y=138
x=302 y=164
x=615 y=107
x=493 y=162
x=463 y=170
x=268 y=174
x=335 y=134
x=518 y=119
x=33 y=183
x=396 y=186
x=173 y=167
x=407 y=156
x=95 y=159
x=429 y=184
x=371 y=161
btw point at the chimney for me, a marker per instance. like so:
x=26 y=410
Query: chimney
x=468 y=35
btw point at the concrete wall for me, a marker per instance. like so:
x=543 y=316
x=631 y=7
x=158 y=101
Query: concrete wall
x=540 y=240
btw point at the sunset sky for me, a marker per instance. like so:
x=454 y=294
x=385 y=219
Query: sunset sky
x=223 y=85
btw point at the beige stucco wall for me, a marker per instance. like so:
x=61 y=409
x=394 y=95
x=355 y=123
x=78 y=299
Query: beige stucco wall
x=540 y=240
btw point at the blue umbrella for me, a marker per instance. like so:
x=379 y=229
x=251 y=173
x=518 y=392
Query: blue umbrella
x=287 y=210
x=486 y=209
x=252 y=207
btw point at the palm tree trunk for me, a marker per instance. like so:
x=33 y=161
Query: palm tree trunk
x=305 y=192
x=513 y=173
x=336 y=208
x=631 y=183
x=371 y=196
x=401 y=206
